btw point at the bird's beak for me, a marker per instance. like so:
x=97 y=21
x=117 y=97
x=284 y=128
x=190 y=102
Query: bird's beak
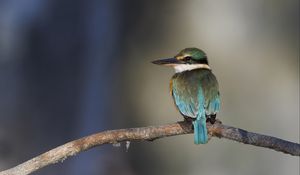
x=167 y=62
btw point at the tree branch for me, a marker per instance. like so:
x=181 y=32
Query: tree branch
x=148 y=134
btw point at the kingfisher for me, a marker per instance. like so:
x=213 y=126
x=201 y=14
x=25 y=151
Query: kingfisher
x=195 y=89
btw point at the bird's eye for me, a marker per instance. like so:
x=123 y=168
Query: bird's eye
x=187 y=58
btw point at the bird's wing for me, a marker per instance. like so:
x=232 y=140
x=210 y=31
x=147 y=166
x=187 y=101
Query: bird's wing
x=187 y=95
x=211 y=93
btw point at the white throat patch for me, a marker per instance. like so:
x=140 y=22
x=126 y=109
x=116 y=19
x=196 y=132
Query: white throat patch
x=187 y=67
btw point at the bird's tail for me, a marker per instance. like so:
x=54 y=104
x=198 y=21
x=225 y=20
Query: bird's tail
x=200 y=131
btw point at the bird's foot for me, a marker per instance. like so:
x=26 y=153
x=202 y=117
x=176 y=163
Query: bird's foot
x=211 y=119
x=188 y=119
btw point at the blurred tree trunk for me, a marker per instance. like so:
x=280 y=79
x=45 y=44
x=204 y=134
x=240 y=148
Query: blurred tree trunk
x=57 y=81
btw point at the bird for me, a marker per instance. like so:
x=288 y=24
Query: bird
x=194 y=89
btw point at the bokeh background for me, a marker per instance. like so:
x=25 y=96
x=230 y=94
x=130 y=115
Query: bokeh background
x=73 y=68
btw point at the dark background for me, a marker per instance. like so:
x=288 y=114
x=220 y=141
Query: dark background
x=72 y=68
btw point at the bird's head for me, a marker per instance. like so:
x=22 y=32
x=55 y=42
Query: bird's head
x=186 y=59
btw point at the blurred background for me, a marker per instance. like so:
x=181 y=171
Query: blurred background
x=72 y=68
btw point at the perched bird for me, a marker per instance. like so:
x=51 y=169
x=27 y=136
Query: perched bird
x=194 y=89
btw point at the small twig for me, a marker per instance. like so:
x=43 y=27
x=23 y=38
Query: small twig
x=149 y=133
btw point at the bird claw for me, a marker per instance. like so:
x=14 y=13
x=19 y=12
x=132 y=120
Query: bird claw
x=211 y=119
